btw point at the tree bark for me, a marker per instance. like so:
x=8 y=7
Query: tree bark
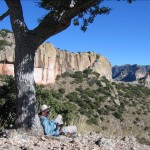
x=26 y=45
x=27 y=116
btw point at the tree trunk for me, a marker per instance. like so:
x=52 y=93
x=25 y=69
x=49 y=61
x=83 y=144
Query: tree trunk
x=27 y=116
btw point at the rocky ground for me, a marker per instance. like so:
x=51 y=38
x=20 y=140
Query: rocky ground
x=92 y=141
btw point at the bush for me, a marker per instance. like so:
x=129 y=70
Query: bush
x=66 y=109
x=65 y=74
x=61 y=90
x=92 y=120
x=117 y=115
x=4 y=32
x=73 y=96
x=3 y=43
x=7 y=101
x=58 y=77
x=147 y=129
x=87 y=71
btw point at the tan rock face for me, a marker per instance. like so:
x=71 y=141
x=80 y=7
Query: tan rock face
x=50 y=62
x=147 y=79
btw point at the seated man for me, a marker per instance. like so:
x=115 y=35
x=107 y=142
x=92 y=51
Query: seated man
x=54 y=127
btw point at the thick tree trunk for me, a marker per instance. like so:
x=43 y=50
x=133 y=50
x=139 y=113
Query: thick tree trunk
x=27 y=116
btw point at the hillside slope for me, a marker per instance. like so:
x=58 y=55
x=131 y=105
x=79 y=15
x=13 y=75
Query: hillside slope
x=104 y=106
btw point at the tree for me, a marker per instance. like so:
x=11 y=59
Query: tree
x=59 y=17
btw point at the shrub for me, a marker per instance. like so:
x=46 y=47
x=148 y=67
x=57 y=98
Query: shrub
x=89 y=92
x=78 y=75
x=73 y=96
x=97 y=56
x=4 y=32
x=102 y=118
x=103 y=111
x=143 y=140
x=88 y=71
x=65 y=74
x=117 y=115
x=92 y=120
x=3 y=43
x=61 y=90
x=66 y=109
x=56 y=95
x=147 y=129
x=58 y=77
x=7 y=101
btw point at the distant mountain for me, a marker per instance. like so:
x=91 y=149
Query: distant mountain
x=129 y=73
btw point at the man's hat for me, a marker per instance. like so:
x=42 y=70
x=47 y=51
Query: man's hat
x=44 y=108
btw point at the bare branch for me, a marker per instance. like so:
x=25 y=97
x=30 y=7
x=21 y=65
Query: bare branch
x=4 y=15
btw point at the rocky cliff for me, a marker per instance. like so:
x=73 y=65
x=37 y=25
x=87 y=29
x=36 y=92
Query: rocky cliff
x=130 y=73
x=50 y=61
x=145 y=80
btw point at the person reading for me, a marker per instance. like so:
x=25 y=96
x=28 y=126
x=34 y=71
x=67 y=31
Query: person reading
x=54 y=127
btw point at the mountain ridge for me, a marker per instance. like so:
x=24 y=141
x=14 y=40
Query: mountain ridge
x=129 y=73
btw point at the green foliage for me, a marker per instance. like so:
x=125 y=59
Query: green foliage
x=61 y=90
x=117 y=115
x=4 y=32
x=87 y=16
x=44 y=96
x=78 y=75
x=147 y=128
x=73 y=96
x=57 y=95
x=3 y=43
x=103 y=111
x=87 y=71
x=66 y=109
x=97 y=56
x=64 y=75
x=58 y=77
x=99 y=100
x=7 y=101
x=143 y=140
x=92 y=120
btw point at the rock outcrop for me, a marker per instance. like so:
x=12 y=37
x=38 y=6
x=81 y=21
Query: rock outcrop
x=147 y=79
x=50 y=61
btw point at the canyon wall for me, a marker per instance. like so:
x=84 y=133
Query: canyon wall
x=50 y=61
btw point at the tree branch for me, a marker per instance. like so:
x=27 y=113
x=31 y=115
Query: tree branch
x=51 y=25
x=16 y=16
x=4 y=15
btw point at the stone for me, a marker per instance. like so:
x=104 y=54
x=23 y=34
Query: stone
x=117 y=102
x=95 y=141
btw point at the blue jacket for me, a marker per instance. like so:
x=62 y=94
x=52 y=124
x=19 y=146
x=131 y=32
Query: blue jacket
x=49 y=126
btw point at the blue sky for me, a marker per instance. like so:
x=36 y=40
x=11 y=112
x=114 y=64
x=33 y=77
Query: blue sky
x=123 y=36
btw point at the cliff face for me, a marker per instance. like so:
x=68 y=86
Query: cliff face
x=129 y=73
x=50 y=62
x=147 y=79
